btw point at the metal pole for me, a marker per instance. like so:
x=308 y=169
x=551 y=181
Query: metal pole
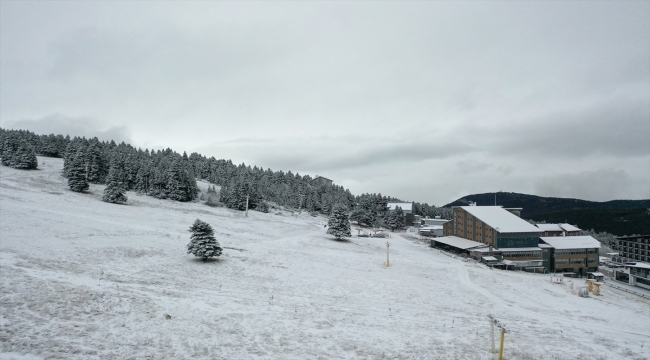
x=503 y=335
x=246 y=205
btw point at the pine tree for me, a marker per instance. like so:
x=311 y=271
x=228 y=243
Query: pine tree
x=25 y=158
x=203 y=243
x=114 y=192
x=77 y=174
x=339 y=223
x=395 y=218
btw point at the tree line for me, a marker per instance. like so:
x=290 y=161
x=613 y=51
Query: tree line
x=166 y=174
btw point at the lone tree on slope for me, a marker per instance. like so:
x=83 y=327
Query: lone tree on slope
x=202 y=243
x=339 y=223
x=114 y=192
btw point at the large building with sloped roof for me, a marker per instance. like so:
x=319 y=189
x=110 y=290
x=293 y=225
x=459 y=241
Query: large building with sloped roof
x=492 y=225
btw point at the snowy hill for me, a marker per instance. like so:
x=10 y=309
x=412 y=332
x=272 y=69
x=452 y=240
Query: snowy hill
x=282 y=289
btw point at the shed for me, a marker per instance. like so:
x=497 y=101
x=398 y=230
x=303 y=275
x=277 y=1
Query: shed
x=598 y=276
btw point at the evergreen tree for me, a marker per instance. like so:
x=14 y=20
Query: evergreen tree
x=203 y=243
x=25 y=158
x=339 y=223
x=77 y=174
x=395 y=218
x=114 y=192
x=17 y=153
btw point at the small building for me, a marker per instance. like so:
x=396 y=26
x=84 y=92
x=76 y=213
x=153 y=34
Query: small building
x=407 y=208
x=559 y=230
x=572 y=254
x=436 y=221
x=598 y=276
x=636 y=274
x=431 y=230
x=455 y=244
x=322 y=180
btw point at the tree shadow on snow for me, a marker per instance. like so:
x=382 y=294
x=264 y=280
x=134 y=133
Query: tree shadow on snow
x=206 y=261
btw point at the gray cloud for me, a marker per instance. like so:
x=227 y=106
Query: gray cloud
x=328 y=153
x=619 y=127
x=599 y=185
x=59 y=124
x=420 y=100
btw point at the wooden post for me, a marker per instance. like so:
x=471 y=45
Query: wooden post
x=503 y=335
x=492 y=350
x=246 y=205
x=387 y=254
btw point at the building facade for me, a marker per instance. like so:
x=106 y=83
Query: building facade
x=571 y=254
x=633 y=248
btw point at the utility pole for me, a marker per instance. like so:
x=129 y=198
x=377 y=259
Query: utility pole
x=387 y=254
x=246 y=205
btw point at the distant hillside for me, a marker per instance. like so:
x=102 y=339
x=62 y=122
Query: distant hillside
x=619 y=217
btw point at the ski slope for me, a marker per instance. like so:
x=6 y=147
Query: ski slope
x=84 y=279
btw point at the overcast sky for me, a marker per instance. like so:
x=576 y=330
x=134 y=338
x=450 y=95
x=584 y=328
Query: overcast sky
x=424 y=101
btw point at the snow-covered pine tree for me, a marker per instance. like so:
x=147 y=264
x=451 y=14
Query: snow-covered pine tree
x=77 y=174
x=25 y=158
x=18 y=153
x=339 y=223
x=114 y=192
x=396 y=218
x=203 y=243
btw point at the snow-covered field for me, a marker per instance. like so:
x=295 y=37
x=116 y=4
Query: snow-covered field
x=283 y=289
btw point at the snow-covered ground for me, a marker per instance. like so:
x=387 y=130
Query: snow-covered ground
x=282 y=289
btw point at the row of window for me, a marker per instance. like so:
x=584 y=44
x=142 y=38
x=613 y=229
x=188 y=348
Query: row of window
x=522 y=254
x=640 y=241
x=569 y=261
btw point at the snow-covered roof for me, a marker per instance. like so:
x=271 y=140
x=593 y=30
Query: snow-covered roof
x=520 y=249
x=489 y=258
x=457 y=242
x=549 y=227
x=597 y=274
x=571 y=242
x=640 y=265
x=569 y=227
x=500 y=219
x=404 y=205
x=432 y=227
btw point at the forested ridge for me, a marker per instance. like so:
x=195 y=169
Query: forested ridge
x=167 y=174
x=619 y=217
